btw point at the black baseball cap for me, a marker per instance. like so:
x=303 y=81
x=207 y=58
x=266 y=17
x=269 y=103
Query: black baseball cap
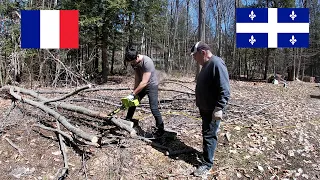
x=199 y=46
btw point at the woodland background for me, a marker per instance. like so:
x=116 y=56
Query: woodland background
x=162 y=29
x=54 y=121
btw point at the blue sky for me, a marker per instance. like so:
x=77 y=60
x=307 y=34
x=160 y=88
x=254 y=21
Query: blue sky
x=194 y=11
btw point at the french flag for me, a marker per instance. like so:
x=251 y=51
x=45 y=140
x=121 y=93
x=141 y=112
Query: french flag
x=50 y=29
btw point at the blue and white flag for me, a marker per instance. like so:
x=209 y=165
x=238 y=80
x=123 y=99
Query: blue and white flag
x=272 y=27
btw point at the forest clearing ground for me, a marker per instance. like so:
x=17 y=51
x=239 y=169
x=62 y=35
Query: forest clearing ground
x=269 y=131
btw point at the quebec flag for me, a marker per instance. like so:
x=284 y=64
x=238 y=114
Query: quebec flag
x=272 y=27
x=50 y=29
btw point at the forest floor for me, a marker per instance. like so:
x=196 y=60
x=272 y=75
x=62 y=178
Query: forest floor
x=270 y=132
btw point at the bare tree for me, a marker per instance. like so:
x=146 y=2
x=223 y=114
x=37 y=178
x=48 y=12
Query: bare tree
x=201 y=28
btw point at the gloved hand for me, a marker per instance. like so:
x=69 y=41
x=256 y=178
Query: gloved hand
x=130 y=97
x=217 y=114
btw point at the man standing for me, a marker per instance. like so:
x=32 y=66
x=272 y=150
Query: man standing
x=212 y=96
x=146 y=83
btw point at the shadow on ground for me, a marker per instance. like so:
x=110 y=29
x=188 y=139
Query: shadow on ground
x=315 y=97
x=171 y=146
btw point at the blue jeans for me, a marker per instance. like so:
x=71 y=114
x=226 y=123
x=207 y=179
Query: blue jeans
x=152 y=92
x=209 y=134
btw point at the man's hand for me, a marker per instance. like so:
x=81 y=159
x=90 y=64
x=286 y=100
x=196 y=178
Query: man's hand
x=217 y=114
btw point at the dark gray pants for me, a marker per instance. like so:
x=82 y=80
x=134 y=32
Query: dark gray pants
x=152 y=92
x=210 y=129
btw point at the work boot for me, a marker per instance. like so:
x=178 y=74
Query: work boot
x=158 y=133
x=202 y=171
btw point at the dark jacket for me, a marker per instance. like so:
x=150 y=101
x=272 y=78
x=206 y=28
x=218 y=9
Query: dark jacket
x=213 y=88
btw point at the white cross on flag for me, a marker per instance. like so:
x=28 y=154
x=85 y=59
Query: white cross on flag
x=272 y=27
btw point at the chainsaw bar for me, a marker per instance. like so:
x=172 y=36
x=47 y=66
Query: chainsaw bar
x=115 y=111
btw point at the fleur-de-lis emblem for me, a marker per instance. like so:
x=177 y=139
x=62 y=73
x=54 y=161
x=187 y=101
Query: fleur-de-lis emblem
x=293 y=40
x=252 y=40
x=293 y=15
x=252 y=15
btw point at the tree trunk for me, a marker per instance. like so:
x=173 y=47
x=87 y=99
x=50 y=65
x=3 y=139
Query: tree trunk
x=294 y=64
x=299 y=63
x=113 y=52
x=96 y=49
x=246 y=64
x=304 y=67
x=143 y=42
x=218 y=27
x=176 y=31
x=187 y=38
x=104 y=56
x=266 y=67
x=170 y=41
x=201 y=30
x=150 y=43
x=1 y=68
x=112 y=60
x=235 y=51
x=240 y=64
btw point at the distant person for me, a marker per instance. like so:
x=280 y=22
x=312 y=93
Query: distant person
x=212 y=96
x=146 y=83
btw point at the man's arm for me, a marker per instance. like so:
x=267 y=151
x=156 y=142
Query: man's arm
x=221 y=75
x=136 y=80
x=145 y=79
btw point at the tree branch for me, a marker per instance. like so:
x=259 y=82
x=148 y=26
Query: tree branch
x=178 y=84
x=65 y=168
x=54 y=130
x=68 y=95
x=13 y=145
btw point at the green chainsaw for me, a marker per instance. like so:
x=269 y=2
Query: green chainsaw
x=126 y=103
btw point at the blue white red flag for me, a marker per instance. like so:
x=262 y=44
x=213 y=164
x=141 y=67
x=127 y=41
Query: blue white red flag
x=50 y=29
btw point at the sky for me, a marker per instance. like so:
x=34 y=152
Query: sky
x=194 y=10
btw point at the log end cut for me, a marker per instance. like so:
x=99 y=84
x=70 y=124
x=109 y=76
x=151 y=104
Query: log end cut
x=94 y=139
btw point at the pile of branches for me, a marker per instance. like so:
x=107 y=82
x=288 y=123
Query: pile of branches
x=70 y=133
x=49 y=106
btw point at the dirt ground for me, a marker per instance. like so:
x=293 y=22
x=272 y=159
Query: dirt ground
x=270 y=132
